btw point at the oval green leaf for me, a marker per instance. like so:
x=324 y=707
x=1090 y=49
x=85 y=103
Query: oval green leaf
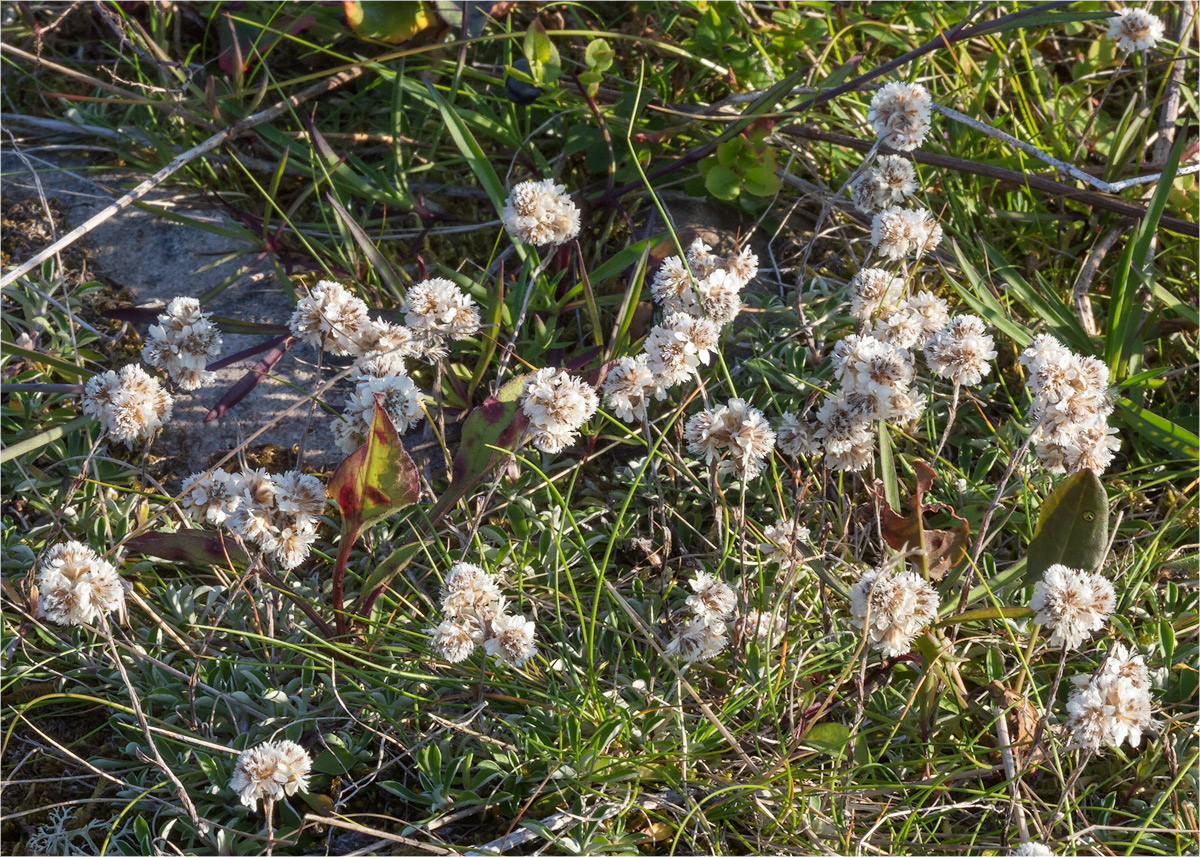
x=1072 y=527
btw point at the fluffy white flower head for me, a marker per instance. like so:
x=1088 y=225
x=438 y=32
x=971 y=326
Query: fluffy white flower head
x=438 y=306
x=628 y=387
x=183 y=342
x=1135 y=29
x=557 y=405
x=899 y=232
x=894 y=608
x=1072 y=604
x=270 y=770
x=75 y=585
x=130 y=404
x=712 y=599
x=512 y=639
x=401 y=399
x=541 y=213
x=961 y=351
x=332 y=318
x=899 y=113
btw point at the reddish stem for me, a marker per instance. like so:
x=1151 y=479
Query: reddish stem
x=339 y=572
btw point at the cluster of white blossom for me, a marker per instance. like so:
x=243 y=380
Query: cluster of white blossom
x=1032 y=849
x=1135 y=29
x=735 y=436
x=540 y=213
x=1113 y=704
x=711 y=604
x=557 y=405
x=474 y=613
x=1071 y=405
x=898 y=233
x=75 y=585
x=270 y=770
x=130 y=404
x=330 y=317
x=698 y=298
x=783 y=542
x=400 y=399
x=1072 y=604
x=891 y=181
x=894 y=608
x=900 y=114
x=279 y=513
x=767 y=628
x=182 y=343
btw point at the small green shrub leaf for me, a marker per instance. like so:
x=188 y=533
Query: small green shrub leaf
x=828 y=738
x=1072 y=527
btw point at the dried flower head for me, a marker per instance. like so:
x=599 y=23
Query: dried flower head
x=557 y=405
x=469 y=594
x=182 y=343
x=628 y=387
x=900 y=113
x=1072 y=604
x=961 y=351
x=540 y=213
x=794 y=437
x=280 y=513
x=1112 y=705
x=764 y=628
x=891 y=181
x=129 y=404
x=1135 y=29
x=784 y=540
x=399 y=397
x=841 y=427
x=874 y=290
x=454 y=639
x=676 y=348
x=700 y=640
x=211 y=497
x=270 y=770
x=1032 y=849
x=894 y=608
x=333 y=319
x=439 y=308
x=712 y=599
x=712 y=288
x=899 y=232
x=512 y=639
x=75 y=585
x=735 y=435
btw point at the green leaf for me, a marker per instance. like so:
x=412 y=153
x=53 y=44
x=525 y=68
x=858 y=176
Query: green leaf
x=194 y=547
x=541 y=53
x=828 y=738
x=7 y=348
x=380 y=264
x=984 y=614
x=497 y=422
x=391 y=566
x=392 y=21
x=599 y=55
x=376 y=479
x=722 y=182
x=1169 y=436
x=1072 y=527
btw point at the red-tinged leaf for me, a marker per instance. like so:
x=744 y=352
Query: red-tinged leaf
x=195 y=547
x=497 y=422
x=248 y=381
x=943 y=548
x=376 y=479
x=257 y=348
x=392 y=21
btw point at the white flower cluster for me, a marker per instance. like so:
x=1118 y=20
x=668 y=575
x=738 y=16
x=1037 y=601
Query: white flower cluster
x=795 y=438
x=735 y=436
x=1135 y=29
x=540 y=213
x=182 y=343
x=1112 y=705
x=75 y=585
x=711 y=604
x=279 y=513
x=401 y=400
x=900 y=113
x=961 y=351
x=130 y=404
x=892 y=180
x=698 y=299
x=1072 y=604
x=270 y=770
x=557 y=405
x=894 y=608
x=765 y=628
x=475 y=613
x=334 y=319
x=784 y=540
x=1071 y=405
x=1032 y=849
x=901 y=232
